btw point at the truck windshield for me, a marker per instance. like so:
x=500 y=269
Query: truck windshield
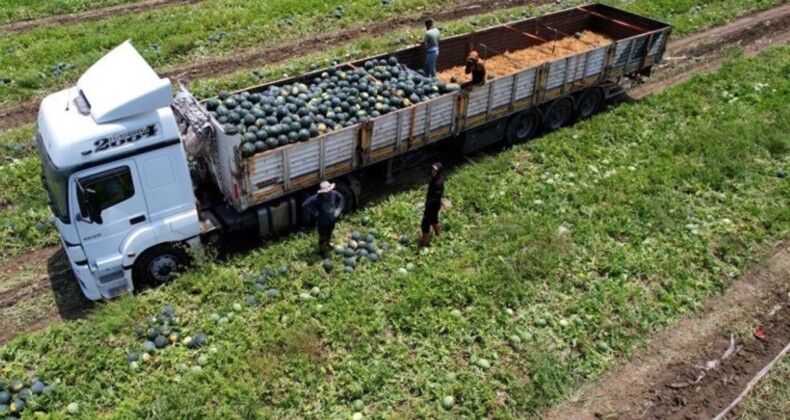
x=55 y=182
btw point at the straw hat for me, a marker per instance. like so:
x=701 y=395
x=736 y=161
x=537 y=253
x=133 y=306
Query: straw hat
x=325 y=187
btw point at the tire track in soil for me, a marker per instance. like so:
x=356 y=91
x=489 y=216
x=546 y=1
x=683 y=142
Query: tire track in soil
x=22 y=26
x=771 y=34
x=26 y=111
x=51 y=295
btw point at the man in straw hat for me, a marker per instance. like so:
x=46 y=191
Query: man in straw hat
x=326 y=207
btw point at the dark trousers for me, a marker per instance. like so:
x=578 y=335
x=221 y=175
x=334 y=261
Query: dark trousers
x=430 y=216
x=325 y=235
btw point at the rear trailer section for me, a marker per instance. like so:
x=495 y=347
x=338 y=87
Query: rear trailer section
x=544 y=81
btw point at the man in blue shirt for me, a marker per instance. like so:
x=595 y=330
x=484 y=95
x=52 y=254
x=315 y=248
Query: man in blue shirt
x=326 y=206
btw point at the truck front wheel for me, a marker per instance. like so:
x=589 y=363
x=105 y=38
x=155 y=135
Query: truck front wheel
x=159 y=265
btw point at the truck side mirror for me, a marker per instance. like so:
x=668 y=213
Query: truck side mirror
x=89 y=209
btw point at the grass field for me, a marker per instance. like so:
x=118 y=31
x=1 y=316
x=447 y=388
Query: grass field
x=23 y=202
x=15 y=10
x=771 y=399
x=580 y=244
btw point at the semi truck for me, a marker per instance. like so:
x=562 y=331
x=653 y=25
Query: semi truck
x=138 y=171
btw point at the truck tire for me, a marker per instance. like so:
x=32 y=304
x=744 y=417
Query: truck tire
x=348 y=196
x=159 y=265
x=522 y=126
x=558 y=115
x=589 y=103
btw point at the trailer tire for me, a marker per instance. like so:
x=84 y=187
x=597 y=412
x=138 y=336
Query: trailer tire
x=522 y=126
x=589 y=103
x=348 y=196
x=159 y=265
x=558 y=115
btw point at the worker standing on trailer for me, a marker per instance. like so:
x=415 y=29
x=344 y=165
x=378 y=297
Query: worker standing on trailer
x=433 y=203
x=326 y=206
x=431 y=43
x=477 y=67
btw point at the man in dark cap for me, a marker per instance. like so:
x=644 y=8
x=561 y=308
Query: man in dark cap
x=433 y=203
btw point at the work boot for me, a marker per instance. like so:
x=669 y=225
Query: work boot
x=426 y=239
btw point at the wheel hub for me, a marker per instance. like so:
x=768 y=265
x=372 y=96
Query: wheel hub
x=162 y=267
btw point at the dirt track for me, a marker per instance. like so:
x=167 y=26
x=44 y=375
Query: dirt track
x=658 y=382
x=24 y=112
x=22 y=26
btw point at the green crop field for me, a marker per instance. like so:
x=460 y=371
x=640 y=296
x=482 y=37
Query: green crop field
x=16 y=10
x=23 y=208
x=771 y=399
x=559 y=257
x=53 y=57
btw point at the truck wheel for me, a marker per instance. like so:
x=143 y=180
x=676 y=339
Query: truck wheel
x=159 y=265
x=590 y=103
x=522 y=126
x=348 y=196
x=558 y=115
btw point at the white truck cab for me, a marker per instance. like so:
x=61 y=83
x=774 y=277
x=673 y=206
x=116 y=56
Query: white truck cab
x=116 y=175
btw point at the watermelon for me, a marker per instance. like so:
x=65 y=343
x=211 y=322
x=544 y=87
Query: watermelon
x=17 y=407
x=483 y=363
x=448 y=402
x=149 y=346
x=132 y=356
x=272 y=293
x=350 y=262
x=327 y=265
x=152 y=333
x=5 y=397
x=247 y=149
x=161 y=341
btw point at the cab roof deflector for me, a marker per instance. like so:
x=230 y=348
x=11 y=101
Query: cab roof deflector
x=122 y=84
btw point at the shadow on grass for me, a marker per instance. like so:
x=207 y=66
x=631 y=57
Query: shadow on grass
x=69 y=300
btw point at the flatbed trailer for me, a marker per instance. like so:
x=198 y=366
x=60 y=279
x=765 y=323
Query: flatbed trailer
x=546 y=95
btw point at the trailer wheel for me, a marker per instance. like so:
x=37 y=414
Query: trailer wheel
x=590 y=103
x=522 y=126
x=348 y=196
x=558 y=115
x=159 y=265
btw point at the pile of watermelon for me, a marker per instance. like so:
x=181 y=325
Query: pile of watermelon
x=260 y=280
x=359 y=248
x=17 y=396
x=162 y=331
x=335 y=99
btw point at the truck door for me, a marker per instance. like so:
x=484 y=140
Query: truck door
x=108 y=205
